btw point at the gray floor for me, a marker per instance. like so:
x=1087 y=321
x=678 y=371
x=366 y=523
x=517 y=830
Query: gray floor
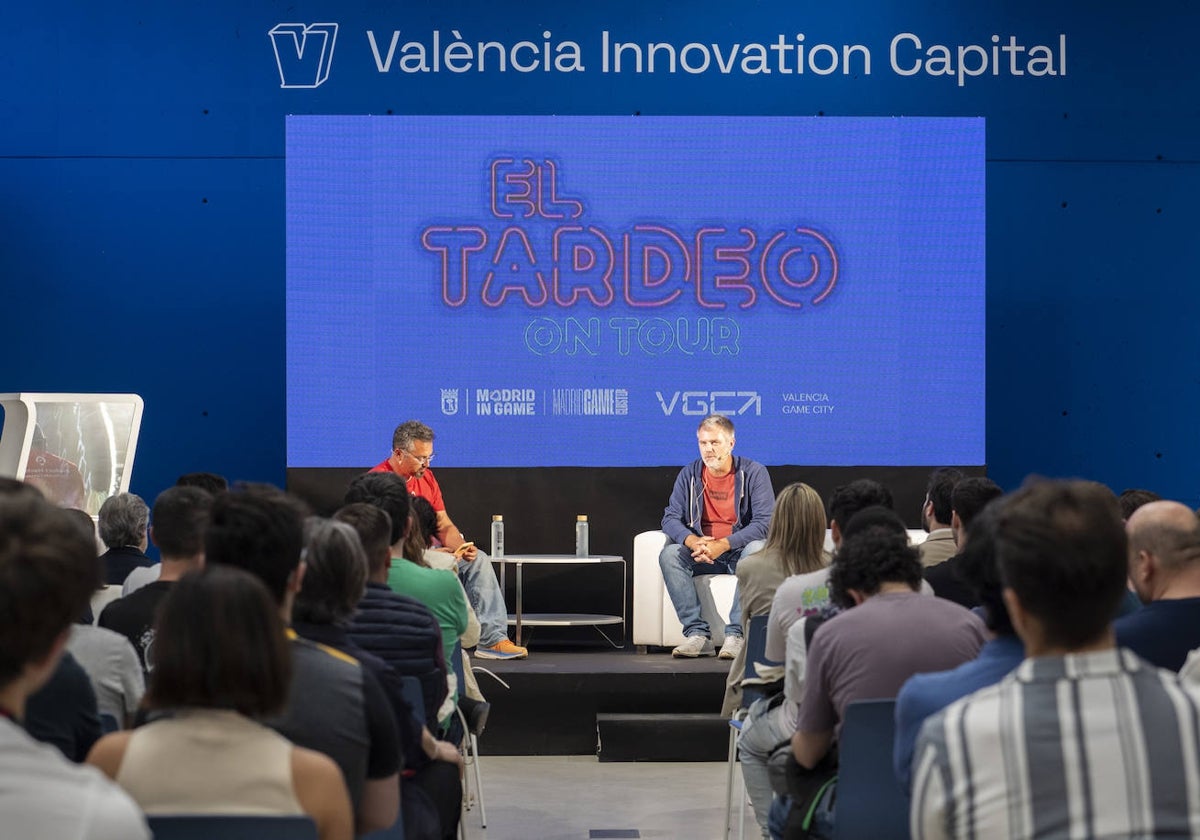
x=580 y=798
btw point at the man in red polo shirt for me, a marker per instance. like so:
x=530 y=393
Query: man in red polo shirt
x=412 y=450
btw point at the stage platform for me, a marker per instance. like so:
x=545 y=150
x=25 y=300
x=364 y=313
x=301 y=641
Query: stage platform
x=653 y=707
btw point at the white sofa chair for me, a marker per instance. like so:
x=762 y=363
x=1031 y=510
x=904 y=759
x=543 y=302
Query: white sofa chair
x=654 y=619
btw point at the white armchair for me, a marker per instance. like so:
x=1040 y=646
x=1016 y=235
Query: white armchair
x=654 y=619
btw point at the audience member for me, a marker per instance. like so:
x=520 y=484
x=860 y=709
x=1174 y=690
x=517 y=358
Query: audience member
x=795 y=546
x=64 y=712
x=1082 y=739
x=970 y=497
x=849 y=499
x=1133 y=498
x=412 y=452
x=48 y=572
x=935 y=517
x=334 y=706
x=925 y=694
x=334 y=582
x=180 y=519
x=123 y=523
x=223 y=665
x=398 y=629
x=113 y=667
x=1164 y=568
x=887 y=633
x=211 y=483
x=718 y=513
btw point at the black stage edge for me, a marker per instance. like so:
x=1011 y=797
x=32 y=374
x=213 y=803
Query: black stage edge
x=558 y=692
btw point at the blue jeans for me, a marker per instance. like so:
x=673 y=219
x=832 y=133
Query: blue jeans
x=483 y=591
x=678 y=569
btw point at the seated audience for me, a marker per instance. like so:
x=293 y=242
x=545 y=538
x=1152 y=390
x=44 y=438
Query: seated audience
x=223 y=665
x=795 y=546
x=1133 y=498
x=925 y=694
x=64 y=712
x=210 y=483
x=970 y=497
x=1164 y=568
x=935 y=517
x=180 y=519
x=48 y=572
x=112 y=666
x=334 y=705
x=888 y=632
x=123 y=523
x=334 y=581
x=1082 y=739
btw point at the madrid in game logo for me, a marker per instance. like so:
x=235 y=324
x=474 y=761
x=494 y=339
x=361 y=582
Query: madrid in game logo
x=303 y=53
x=449 y=401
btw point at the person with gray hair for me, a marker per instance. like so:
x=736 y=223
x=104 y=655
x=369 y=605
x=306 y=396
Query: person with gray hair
x=124 y=520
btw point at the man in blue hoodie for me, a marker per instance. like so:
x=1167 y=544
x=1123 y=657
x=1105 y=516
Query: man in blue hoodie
x=718 y=513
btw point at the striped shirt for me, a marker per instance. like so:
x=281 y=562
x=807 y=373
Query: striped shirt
x=1086 y=745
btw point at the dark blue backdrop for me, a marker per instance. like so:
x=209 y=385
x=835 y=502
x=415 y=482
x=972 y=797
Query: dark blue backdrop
x=142 y=203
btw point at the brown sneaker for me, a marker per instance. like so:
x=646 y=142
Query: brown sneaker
x=504 y=649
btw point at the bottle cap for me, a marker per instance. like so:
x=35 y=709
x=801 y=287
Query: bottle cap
x=497 y=518
x=581 y=517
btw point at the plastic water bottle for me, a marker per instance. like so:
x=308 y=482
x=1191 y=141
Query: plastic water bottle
x=497 y=536
x=581 y=536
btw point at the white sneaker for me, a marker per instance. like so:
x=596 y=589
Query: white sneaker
x=694 y=646
x=732 y=647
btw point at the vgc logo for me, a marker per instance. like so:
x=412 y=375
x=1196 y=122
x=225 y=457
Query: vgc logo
x=703 y=403
x=303 y=53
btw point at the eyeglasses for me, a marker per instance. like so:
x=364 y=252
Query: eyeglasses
x=419 y=459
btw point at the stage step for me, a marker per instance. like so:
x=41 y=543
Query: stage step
x=662 y=737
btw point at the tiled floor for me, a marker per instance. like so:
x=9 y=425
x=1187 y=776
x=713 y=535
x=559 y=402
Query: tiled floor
x=580 y=798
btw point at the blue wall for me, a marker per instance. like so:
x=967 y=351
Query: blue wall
x=142 y=172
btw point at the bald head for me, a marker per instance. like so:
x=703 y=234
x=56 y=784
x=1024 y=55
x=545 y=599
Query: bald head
x=1164 y=551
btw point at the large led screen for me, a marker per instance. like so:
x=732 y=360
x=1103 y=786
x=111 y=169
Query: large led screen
x=581 y=291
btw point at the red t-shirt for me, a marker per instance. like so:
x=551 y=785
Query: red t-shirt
x=426 y=486
x=720 y=507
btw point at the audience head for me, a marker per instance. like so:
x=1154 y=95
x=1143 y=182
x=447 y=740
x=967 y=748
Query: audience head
x=797 y=530
x=875 y=516
x=124 y=519
x=180 y=519
x=374 y=529
x=219 y=644
x=422 y=527
x=1132 y=498
x=849 y=499
x=11 y=487
x=868 y=560
x=970 y=497
x=209 y=482
x=1164 y=549
x=84 y=521
x=48 y=573
x=1060 y=547
x=979 y=571
x=388 y=492
x=259 y=529
x=335 y=573
x=935 y=513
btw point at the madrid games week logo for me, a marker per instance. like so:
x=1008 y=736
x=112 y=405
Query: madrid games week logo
x=303 y=53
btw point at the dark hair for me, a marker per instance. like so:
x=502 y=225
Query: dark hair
x=124 y=519
x=12 y=487
x=48 y=572
x=180 y=518
x=210 y=482
x=875 y=516
x=85 y=522
x=979 y=571
x=335 y=574
x=1133 y=498
x=1060 y=546
x=386 y=491
x=258 y=529
x=972 y=495
x=373 y=526
x=407 y=432
x=424 y=517
x=849 y=499
x=219 y=643
x=870 y=559
x=941 y=485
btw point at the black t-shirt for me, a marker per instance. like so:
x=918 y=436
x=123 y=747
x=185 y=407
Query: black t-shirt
x=946 y=583
x=63 y=711
x=133 y=617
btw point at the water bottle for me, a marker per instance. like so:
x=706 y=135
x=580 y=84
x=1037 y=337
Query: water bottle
x=497 y=536
x=581 y=536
